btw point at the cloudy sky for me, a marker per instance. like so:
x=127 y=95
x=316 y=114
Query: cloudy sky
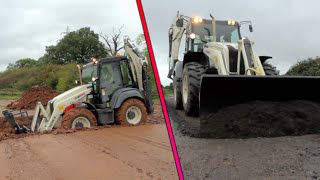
x=28 y=26
x=287 y=30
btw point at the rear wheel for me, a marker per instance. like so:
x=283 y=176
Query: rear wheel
x=131 y=112
x=190 y=87
x=78 y=118
x=177 y=97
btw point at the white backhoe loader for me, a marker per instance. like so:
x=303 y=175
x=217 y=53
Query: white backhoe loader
x=220 y=68
x=112 y=90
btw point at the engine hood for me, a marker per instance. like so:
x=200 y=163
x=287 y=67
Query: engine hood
x=221 y=44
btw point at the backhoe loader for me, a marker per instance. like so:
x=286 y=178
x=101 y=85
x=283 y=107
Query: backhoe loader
x=220 y=68
x=111 y=90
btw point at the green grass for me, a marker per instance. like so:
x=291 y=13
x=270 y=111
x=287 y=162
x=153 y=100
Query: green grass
x=167 y=92
x=9 y=94
x=157 y=101
x=9 y=97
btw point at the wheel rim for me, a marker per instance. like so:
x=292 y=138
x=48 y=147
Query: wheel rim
x=81 y=122
x=133 y=115
x=185 y=89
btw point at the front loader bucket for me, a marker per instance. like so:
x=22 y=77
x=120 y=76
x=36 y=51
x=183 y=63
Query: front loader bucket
x=221 y=92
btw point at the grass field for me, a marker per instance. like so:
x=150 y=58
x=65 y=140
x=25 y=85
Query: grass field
x=10 y=94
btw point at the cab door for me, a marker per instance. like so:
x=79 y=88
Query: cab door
x=110 y=80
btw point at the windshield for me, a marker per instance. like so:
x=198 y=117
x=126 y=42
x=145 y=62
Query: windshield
x=225 y=32
x=88 y=72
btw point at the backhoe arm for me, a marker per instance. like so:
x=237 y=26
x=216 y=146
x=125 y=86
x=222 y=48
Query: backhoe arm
x=176 y=31
x=139 y=64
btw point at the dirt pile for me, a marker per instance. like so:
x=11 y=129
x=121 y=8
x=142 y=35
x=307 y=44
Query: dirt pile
x=263 y=119
x=30 y=98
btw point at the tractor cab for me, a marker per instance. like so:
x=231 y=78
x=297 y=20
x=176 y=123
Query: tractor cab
x=200 y=31
x=107 y=75
x=113 y=82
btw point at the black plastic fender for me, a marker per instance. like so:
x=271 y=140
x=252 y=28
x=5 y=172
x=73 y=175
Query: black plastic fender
x=122 y=94
x=178 y=70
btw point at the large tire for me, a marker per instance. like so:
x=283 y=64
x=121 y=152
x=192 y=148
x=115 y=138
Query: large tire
x=79 y=118
x=131 y=112
x=177 y=96
x=190 y=87
x=270 y=70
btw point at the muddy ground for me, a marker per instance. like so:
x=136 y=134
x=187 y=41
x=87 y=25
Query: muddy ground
x=7 y=132
x=287 y=157
x=112 y=152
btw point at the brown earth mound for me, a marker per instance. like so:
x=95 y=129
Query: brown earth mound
x=30 y=98
x=263 y=119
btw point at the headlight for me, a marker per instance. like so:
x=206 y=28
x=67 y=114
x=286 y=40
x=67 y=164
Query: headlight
x=197 y=19
x=192 y=35
x=231 y=22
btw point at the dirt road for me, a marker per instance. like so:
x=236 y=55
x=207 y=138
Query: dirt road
x=294 y=157
x=141 y=152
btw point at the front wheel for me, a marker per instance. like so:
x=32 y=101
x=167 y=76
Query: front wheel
x=78 y=118
x=190 y=87
x=131 y=112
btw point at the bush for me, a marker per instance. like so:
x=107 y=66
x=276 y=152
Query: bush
x=308 y=67
x=58 y=77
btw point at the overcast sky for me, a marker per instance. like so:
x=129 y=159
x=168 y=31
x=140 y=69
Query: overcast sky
x=287 y=30
x=28 y=26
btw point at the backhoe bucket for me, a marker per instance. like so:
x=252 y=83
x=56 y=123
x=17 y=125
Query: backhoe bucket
x=10 y=117
x=218 y=92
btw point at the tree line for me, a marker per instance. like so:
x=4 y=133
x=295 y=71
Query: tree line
x=57 y=67
x=76 y=47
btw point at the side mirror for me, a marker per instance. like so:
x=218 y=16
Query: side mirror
x=179 y=23
x=250 y=28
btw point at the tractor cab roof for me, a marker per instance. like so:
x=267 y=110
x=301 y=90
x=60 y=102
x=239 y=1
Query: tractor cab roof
x=219 y=22
x=114 y=58
x=106 y=60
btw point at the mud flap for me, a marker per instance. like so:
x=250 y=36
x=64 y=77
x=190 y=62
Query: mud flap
x=9 y=115
x=218 y=92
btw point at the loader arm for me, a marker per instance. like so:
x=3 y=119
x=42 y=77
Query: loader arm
x=57 y=106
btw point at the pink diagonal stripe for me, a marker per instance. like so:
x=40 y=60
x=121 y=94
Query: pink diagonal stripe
x=162 y=100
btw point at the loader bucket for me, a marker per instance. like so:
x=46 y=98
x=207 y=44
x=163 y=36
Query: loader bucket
x=219 y=92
